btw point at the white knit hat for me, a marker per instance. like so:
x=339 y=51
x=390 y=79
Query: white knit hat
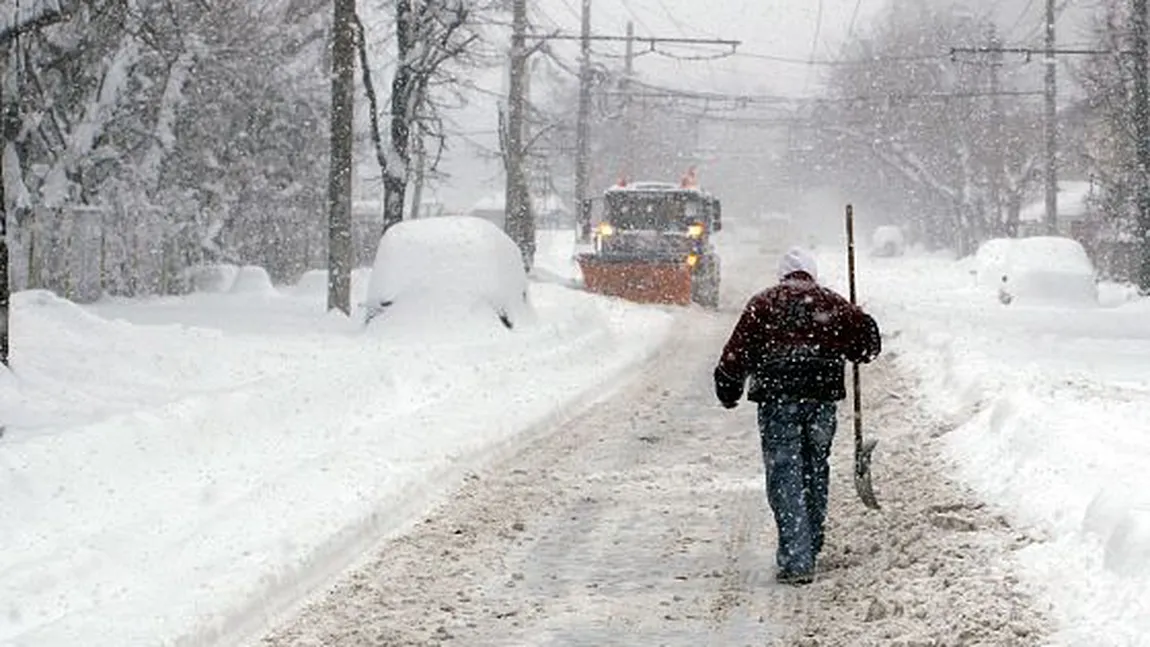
x=797 y=260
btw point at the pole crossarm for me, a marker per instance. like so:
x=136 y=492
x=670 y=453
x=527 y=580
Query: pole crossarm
x=651 y=41
x=1029 y=52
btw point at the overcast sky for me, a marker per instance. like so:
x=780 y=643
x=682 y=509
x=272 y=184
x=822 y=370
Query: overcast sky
x=769 y=30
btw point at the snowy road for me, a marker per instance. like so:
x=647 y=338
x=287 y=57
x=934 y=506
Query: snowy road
x=643 y=522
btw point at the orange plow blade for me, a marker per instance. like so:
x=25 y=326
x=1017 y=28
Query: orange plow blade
x=641 y=281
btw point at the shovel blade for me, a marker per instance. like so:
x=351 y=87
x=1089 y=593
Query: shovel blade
x=863 y=485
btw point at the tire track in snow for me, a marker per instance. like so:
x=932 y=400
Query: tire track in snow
x=643 y=522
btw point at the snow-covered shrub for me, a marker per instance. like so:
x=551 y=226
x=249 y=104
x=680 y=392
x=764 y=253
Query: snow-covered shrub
x=312 y=282
x=1048 y=269
x=252 y=279
x=454 y=271
x=213 y=278
x=887 y=241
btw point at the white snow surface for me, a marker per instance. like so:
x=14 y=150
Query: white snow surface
x=1049 y=412
x=455 y=271
x=887 y=240
x=182 y=470
x=212 y=277
x=1042 y=269
x=252 y=280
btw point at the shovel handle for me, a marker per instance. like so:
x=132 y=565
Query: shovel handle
x=863 y=450
x=854 y=301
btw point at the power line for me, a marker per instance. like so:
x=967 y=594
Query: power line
x=635 y=15
x=1021 y=17
x=651 y=40
x=814 y=42
x=1042 y=25
x=854 y=17
x=1030 y=52
x=752 y=99
x=841 y=62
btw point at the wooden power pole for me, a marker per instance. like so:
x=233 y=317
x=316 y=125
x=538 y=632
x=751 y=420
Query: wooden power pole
x=6 y=131
x=339 y=175
x=997 y=129
x=1050 y=123
x=583 y=118
x=583 y=124
x=629 y=125
x=1141 y=29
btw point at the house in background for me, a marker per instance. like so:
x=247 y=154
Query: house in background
x=551 y=213
x=491 y=207
x=1076 y=215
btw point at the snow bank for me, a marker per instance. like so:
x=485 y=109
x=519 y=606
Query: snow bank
x=1045 y=411
x=452 y=272
x=555 y=257
x=167 y=484
x=887 y=241
x=311 y=282
x=253 y=280
x=212 y=278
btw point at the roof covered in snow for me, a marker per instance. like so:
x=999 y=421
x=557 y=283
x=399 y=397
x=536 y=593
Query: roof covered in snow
x=490 y=202
x=550 y=203
x=1072 y=203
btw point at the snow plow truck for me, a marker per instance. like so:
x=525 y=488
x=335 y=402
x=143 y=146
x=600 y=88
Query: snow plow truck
x=652 y=244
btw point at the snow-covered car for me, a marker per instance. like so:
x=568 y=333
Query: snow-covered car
x=1042 y=269
x=454 y=272
x=887 y=241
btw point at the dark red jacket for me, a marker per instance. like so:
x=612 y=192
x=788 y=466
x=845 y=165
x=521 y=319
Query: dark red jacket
x=793 y=340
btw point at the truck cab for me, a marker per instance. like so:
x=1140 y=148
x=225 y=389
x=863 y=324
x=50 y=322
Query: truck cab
x=658 y=226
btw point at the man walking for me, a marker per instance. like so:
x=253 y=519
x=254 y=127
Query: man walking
x=793 y=341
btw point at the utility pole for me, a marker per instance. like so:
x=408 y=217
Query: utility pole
x=339 y=178
x=1142 y=130
x=1050 y=123
x=9 y=125
x=997 y=131
x=583 y=126
x=517 y=212
x=629 y=165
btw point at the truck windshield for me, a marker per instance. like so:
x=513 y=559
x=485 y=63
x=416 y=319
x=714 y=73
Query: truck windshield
x=650 y=212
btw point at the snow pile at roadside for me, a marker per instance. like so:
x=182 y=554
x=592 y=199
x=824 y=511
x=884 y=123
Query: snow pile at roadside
x=1050 y=411
x=166 y=483
x=555 y=257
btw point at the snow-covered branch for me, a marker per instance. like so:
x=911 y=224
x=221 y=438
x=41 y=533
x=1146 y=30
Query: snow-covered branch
x=19 y=18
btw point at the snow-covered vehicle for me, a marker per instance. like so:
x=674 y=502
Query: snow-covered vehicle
x=452 y=271
x=1042 y=269
x=887 y=241
x=653 y=245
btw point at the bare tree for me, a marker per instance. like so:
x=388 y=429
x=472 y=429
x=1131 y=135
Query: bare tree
x=430 y=35
x=931 y=123
x=1111 y=143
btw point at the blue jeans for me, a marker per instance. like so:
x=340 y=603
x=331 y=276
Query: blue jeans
x=796 y=437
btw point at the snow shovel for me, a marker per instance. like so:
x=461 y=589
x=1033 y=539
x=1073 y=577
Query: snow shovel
x=863 y=449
